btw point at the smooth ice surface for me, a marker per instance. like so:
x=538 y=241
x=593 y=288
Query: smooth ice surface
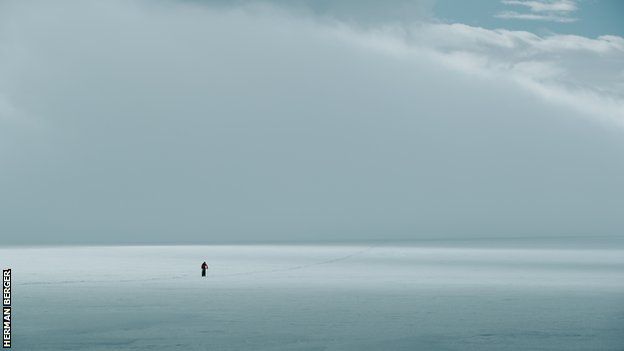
x=318 y=297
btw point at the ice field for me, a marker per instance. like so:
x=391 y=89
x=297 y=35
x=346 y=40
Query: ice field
x=382 y=296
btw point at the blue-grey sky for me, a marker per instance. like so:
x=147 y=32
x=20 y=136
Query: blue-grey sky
x=584 y=17
x=213 y=121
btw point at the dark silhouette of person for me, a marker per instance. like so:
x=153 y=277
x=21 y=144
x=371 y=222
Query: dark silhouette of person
x=204 y=266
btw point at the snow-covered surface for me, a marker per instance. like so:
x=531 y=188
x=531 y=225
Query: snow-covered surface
x=317 y=297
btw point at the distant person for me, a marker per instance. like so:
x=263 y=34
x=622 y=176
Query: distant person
x=204 y=266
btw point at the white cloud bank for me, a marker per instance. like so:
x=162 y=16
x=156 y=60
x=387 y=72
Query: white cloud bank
x=165 y=121
x=571 y=70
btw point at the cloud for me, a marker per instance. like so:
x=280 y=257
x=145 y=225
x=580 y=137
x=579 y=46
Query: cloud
x=185 y=122
x=362 y=12
x=552 y=11
x=585 y=70
x=545 y=6
x=534 y=17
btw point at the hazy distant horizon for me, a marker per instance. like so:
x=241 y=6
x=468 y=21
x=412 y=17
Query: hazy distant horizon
x=537 y=242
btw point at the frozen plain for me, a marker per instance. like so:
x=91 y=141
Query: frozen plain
x=379 y=296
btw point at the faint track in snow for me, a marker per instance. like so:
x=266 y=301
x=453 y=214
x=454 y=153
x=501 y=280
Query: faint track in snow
x=64 y=282
x=304 y=266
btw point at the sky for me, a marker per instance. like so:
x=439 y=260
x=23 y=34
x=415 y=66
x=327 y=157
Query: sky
x=589 y=18
x=246 y=121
